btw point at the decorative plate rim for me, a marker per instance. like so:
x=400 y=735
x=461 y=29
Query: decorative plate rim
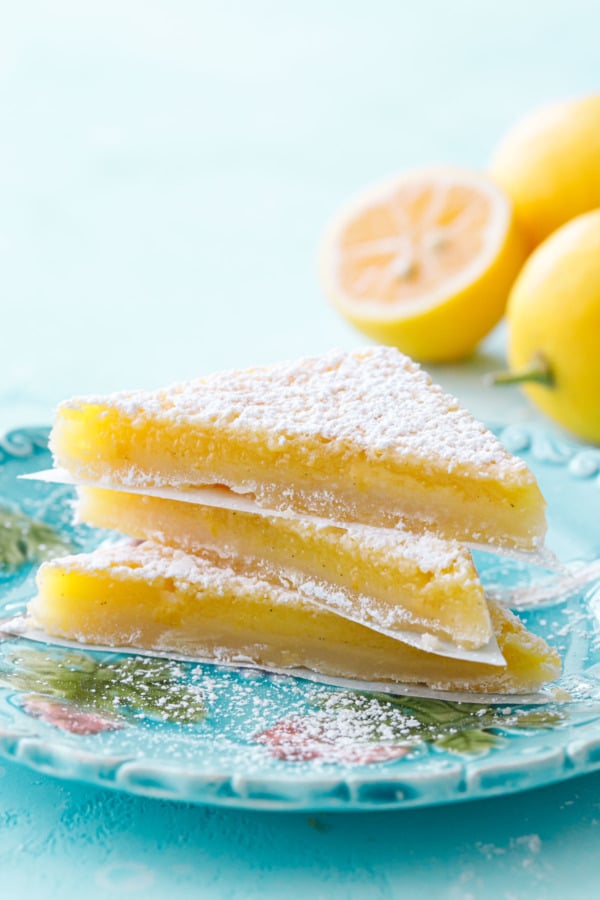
x=453 y=783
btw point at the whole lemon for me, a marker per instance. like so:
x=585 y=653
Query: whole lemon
x=553 y=319
x=549 y=165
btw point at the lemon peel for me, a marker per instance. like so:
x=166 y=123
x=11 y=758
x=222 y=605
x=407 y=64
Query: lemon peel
x=549 y=164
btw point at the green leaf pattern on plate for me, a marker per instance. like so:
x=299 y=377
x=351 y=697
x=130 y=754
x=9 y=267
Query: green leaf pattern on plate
x=24 y=540
x=120 y=687
x=458 y=728
x=86 y=693
x=441 y=722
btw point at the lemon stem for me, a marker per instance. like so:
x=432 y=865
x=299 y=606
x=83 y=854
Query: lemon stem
x=537 y=371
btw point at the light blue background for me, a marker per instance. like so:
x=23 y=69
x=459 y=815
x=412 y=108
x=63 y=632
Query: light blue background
x=166 y=170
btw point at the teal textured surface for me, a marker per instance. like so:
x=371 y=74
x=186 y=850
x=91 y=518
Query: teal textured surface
x=68 y=838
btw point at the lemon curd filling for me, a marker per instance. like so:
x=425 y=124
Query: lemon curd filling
x=154 y=597
x=385 y=579
x=360 y=437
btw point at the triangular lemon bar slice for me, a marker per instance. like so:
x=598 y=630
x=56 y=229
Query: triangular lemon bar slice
x=389 y=579
x=154 y=597
x=364 y=437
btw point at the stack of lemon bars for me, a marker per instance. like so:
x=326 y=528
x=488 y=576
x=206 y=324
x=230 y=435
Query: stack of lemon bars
x=313 y=515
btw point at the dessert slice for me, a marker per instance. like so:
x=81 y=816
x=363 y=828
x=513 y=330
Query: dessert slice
x=363 y=437
x=387 y=579
x=154 y=597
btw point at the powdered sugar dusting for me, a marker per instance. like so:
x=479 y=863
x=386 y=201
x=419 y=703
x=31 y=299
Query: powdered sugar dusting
x=155 y=563
x=425 y=549
x=376 y=400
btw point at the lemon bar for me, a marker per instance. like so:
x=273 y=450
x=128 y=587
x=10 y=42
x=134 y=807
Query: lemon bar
x=157 y=598
x=362 y=437
x=388 y=579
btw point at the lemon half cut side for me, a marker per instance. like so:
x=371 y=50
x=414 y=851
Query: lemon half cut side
x=424 y=261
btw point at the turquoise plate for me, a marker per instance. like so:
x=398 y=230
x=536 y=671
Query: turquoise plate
x=244 y=738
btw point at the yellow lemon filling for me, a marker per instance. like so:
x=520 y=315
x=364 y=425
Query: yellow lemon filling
x=382 y=578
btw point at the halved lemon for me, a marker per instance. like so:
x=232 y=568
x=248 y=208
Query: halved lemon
x=425 y=261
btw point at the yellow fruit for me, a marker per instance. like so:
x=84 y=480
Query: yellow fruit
x=424 y=262
x=554 y=326
x=549 y=165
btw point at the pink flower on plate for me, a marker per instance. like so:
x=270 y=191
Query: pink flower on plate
x=68 y=718
x=305 y=738
x=5 y=635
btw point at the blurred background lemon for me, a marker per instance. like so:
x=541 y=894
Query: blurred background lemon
x=554 y=326
x=549 y=165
